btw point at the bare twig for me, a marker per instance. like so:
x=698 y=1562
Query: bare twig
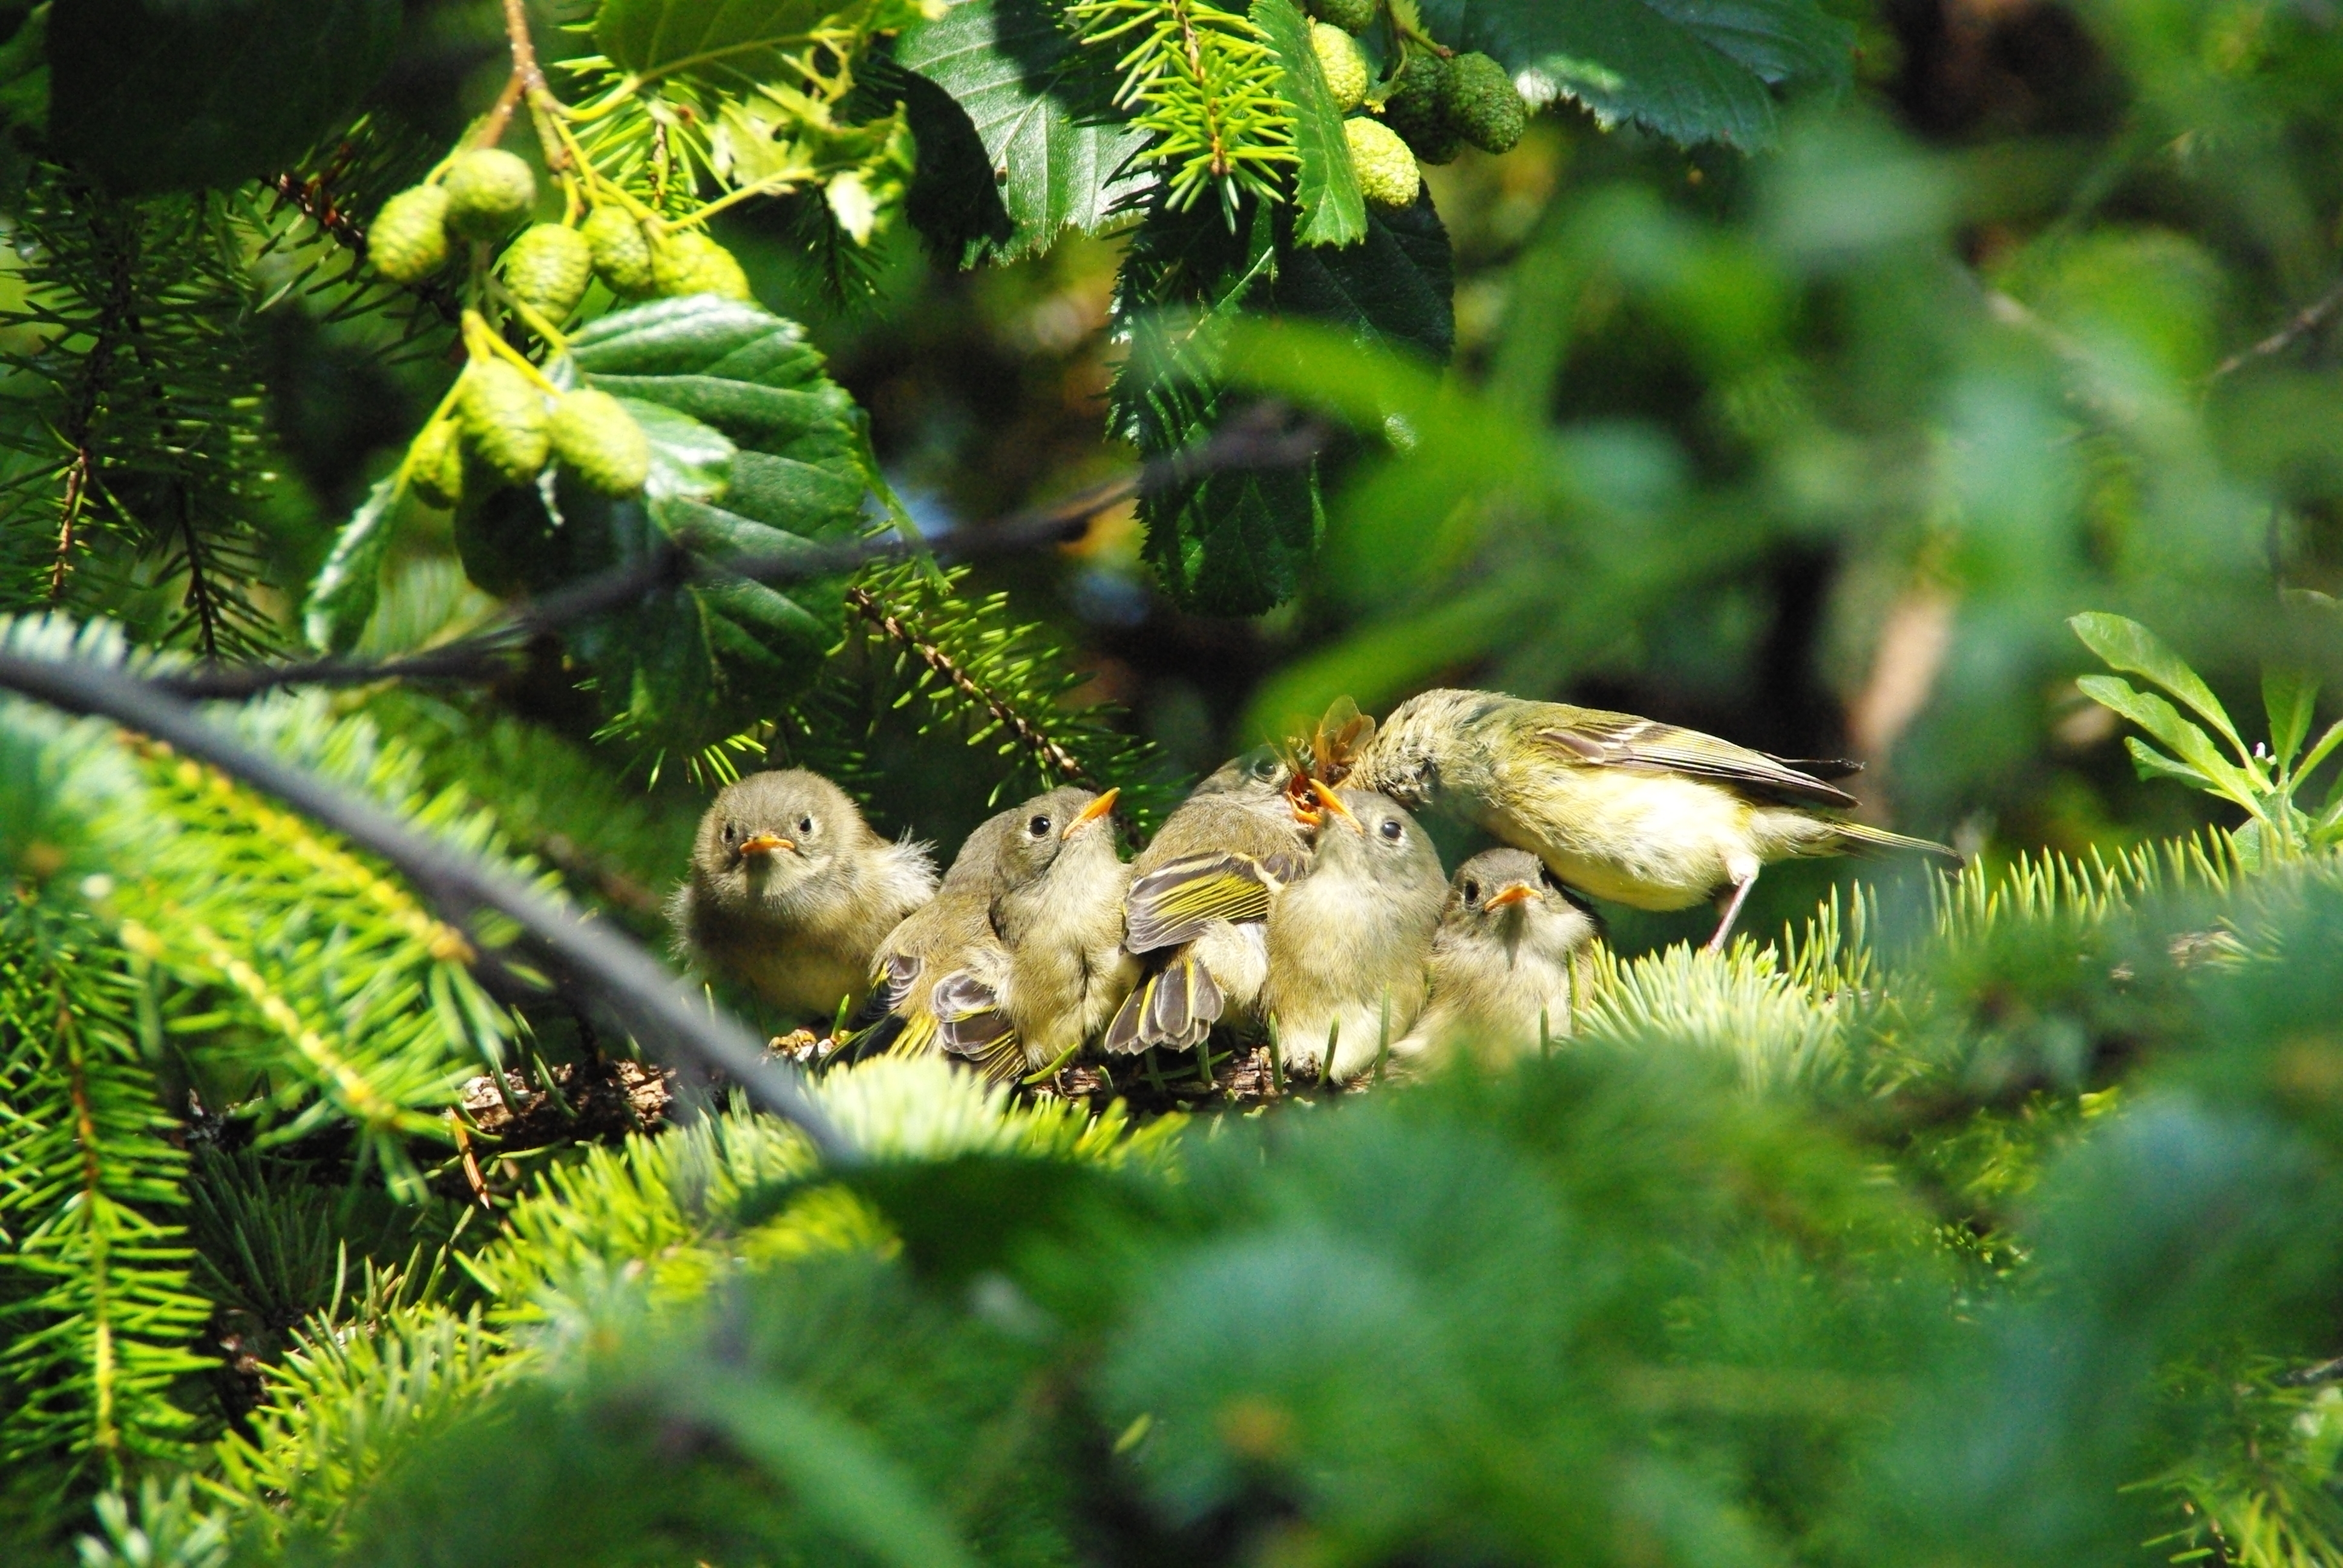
x=647 y=1001
x=1255 y=439
x=2300 y=323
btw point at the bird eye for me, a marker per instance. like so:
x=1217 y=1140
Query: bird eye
x=730 y=832
x=1392 y=830
x=805 y=825
x=1472 y=893
x=1038 y=827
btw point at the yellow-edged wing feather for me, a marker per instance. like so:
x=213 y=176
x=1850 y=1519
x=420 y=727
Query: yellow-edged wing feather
x=1175 y=902
x=1594 y=738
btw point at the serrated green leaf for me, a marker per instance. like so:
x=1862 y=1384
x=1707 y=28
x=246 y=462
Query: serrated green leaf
x=1059 y=157
x=152 y=95
x=2129 y=646
x=1692 y=70
x=1325 y=185
x=754 y=451
x=342 y=595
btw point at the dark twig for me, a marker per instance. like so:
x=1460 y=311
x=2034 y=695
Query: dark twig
x=1256 y=438
x=2302 y=321
x=863 y=602
x=647 y=1000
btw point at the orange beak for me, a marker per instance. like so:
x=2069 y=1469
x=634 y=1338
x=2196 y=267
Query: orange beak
x=764 y=844
x=1511 y=893
x=1333 y=802
x=1091 y=813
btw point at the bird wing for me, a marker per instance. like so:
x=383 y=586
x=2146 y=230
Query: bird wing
x=1598 y=739
x=1175 y=902
x=970 y=1022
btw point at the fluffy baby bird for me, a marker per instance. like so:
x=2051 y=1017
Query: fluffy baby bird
x=1350 y=942
x=1200 y=894
x=1509 y=966
x=1619 y=807
x=791 y=892
x=1018 y=957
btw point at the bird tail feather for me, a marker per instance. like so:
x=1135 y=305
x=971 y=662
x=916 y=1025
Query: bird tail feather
x=1174 y=1006
x=1861 y=835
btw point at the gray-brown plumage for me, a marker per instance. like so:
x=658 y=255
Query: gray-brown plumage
x=790 y=891
x=1200 y=894
x=1509 y=962
x=1350 y=944
x=1622 y=807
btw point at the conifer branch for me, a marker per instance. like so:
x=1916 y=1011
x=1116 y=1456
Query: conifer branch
x=1029 y=734
x=646 y=999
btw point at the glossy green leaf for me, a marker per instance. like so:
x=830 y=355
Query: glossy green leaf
x=1059 y=157
x=729 y=43
x=170 y=94
x=1692 y=72
x=2166 y=724
x=2129 y=646
x=2290 y=698
x=1325 y=185
x=342 y=595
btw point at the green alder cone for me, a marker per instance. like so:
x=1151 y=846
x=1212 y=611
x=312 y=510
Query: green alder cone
x=621 y=251
x=1481 y=105
x=1345 y=67
x=689 y=262
x=435 y=465
x=505 y=420
x=1417 y=106
x=548 y=268
x=1386 y=168
x=1350 y=15
x=408 y=241
x=490 y=191
x=597 y=440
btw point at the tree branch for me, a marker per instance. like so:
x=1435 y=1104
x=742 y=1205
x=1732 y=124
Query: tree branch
x=2302 y=321
x=1257 y=437
x=647 y=1000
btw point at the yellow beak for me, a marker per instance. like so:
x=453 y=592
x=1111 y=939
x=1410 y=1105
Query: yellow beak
x=1333 y=802
x=1091 y=813
x=764 y=844
x=1511 y=893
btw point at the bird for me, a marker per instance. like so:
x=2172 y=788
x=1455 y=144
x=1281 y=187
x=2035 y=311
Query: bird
x=1200 y=894
x=791 y=890
x=1509 y=962
x=1018 y=954
x=1350 y=942
x=1643 y=813
x=1058 y=914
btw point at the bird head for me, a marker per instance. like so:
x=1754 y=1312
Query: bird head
x=769 y=834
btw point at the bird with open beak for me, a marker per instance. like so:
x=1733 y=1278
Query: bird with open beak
x=1349 y=943
x=790 y=891
x=1510 y=963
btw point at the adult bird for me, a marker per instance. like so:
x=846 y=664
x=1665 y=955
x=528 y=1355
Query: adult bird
x=1643 y=813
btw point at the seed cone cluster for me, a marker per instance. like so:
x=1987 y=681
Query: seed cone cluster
x=505 y=426
x=1432 y=103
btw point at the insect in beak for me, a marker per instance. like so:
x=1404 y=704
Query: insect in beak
x=1091 y=813
x=760 y=844
x=1511 y=893
x=1333 y=802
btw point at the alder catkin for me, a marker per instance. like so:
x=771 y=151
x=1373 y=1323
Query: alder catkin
x=597 y=440
x=435 y=465
x=688 y=261
x=505 y=418
x=1344 y=66
x=1482 y=104
x=621 y=251
x=490 y=191
x=1387 y=172
x=408 y=241
x=548 y=268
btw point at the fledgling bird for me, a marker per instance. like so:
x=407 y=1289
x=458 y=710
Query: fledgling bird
x=1018 y=957
x=1619 y=807
x=1350 y=944
x=1509 y=966
x=790 y=891
x=1200 y=895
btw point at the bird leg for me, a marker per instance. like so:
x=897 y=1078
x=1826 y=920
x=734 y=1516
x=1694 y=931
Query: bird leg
x=1732 y=912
